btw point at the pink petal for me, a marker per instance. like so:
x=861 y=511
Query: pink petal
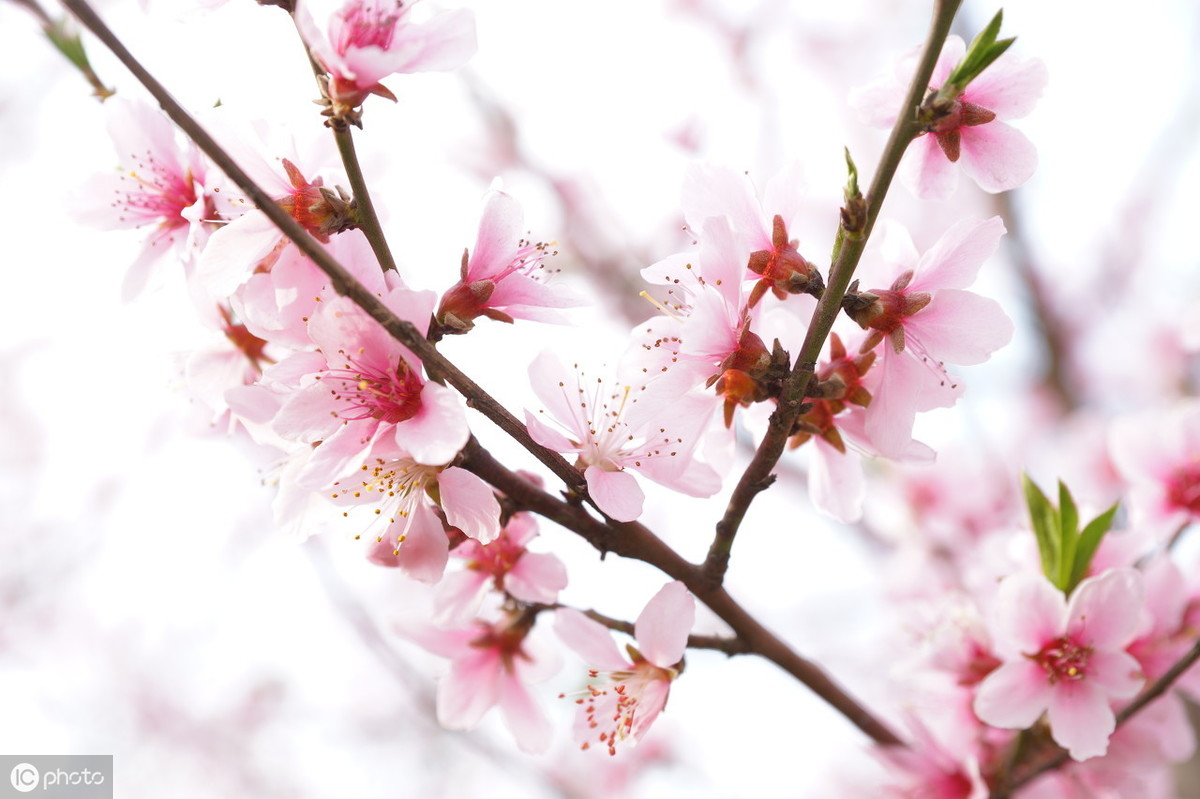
x=439 y=429
x=926 y=171
x=558 y=390
x=960 y=327
x=651 y=702
x=1030 y=612
x=1117 y=674
x=499 y=230
x=471 y=687
x=425 y=550
x=954 y=261
x=1105 y=611
x=997 y=157
x=470 y=504
x=523 y=716
x=1013 y=696
x=616 y=493
x=458 y=596
x=522 y=297
x=547 y=436
x=443 y=43
x=836 y=482
x=537 y=577
x=1009 y=87
x=1081 y=719
x=233 y=250
x=717 y=191
x=663 y=626
x=588 y=639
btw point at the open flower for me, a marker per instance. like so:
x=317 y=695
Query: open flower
x=652 y=427
x=923 y=320
x=628 y=695
x=1159 y=454
x=162 y=186
x=371 y=39
x=974 y=134
x=491 y=665
x=1064 y=657
x=503 y=278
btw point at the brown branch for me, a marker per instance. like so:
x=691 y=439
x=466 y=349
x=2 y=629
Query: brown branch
x=720 y=643
x=852 y=241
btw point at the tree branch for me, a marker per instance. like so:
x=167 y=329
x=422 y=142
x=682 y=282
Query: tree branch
x=758 y=476
x=631 y=540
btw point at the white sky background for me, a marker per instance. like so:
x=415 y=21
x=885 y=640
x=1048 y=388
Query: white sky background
x=146 y=607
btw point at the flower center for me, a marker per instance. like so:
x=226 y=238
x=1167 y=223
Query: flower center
x=1064 y=660
x=371 y=393
x=370 y=24
x=1183 y=489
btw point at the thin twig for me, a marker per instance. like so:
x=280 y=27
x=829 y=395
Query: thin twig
x=720 y=643
x=758 y=475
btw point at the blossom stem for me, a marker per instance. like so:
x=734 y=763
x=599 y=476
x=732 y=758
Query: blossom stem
x=342 y=281
x=365 y=208
x=1152 y=692
x=721 y=643
x=852 y=241
x=368 y=220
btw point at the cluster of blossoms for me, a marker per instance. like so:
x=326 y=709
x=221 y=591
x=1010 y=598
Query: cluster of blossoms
x=364 y=438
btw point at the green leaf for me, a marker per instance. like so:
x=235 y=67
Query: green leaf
x=1045 y=521
x=1089 y=540
x=852 y=182
x=984 y=50
x=1068 y=525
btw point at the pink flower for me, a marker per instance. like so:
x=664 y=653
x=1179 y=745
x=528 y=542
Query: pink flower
x=994 y=155
x=491 y=665
x=924 y=320
x=650 y=426
x=1064 y=657
x=929 y=769
x=366 y=384
x=372 y=39
x=504 y=565
x=410 y=500
x=160 y=186
x=1159 y=454
x=503 y=277
x=628 y=695
x=252 y=244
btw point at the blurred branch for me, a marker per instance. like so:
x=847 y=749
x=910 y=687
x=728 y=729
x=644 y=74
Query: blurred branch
x=603 y=255
x=67 y=42
x=1051 y=327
